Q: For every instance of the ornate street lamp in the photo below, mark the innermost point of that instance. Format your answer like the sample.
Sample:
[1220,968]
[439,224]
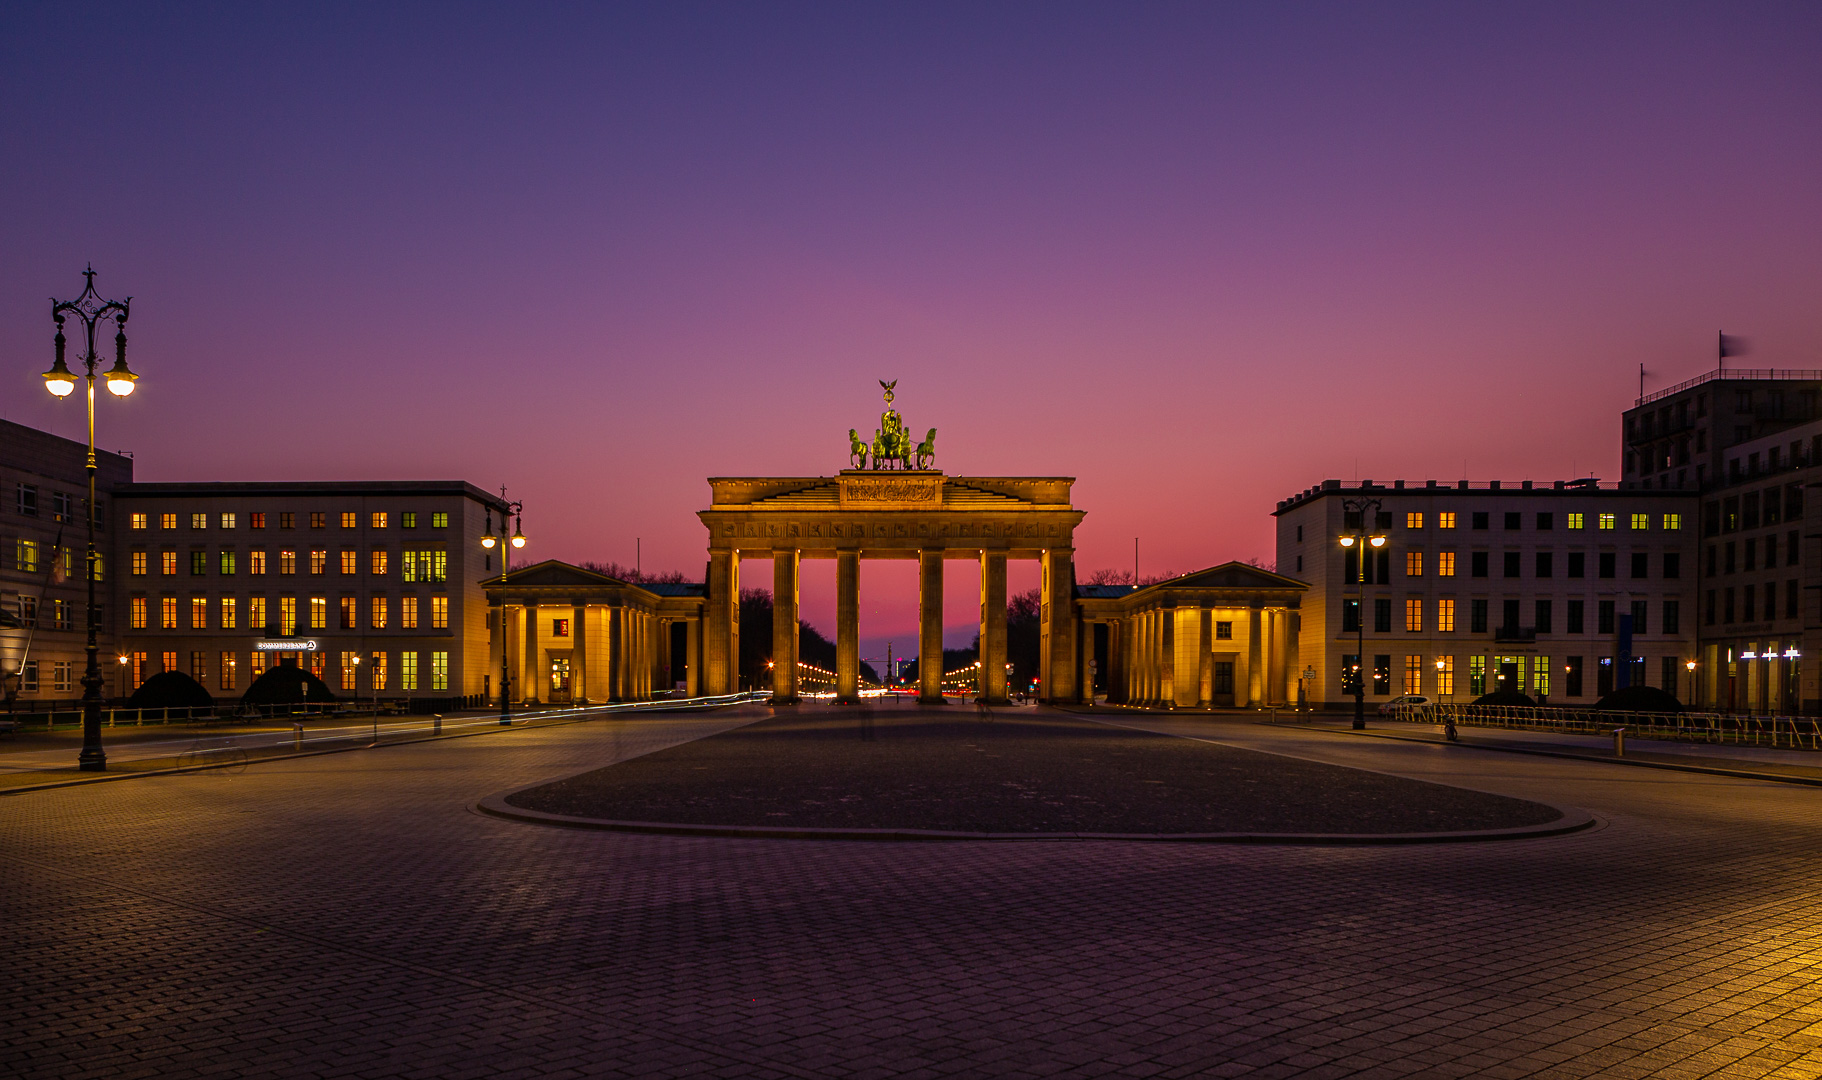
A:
[489,541]
[1365,543]
[90,309]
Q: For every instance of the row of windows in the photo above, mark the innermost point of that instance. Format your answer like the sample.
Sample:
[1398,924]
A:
[431,566]
[1766,546]
[1545,521]
[1543,565]
[378,665]
[58,614]
[229,519]
[1526,674]
[64,506]
[1543,616]
[31,557]
[1772,506]
[282,617]
[1747,605]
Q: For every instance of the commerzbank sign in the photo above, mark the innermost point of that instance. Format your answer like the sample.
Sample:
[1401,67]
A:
[287,645]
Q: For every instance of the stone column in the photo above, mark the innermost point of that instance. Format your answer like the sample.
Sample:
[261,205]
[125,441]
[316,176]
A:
[693,647]
[1116,661]
[1085,669]
[784,626]
[578,665]
[1060,679]
[1293,656]
[721,660]
[930,627]
[993,627]
[1255,667]
[1205,679]
[531,686]
[616,654]
[847,625]
[1167,650]
[1275,668]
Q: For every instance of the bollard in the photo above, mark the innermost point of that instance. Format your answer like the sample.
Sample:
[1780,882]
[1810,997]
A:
[297,734]
[436,726]
[1619,742]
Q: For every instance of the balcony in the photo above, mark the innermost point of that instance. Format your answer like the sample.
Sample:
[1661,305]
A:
[1515,635]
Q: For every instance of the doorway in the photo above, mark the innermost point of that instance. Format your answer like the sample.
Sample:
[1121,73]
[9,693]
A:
[559,677]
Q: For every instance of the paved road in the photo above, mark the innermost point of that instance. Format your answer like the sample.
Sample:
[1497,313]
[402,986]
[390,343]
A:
[348,915]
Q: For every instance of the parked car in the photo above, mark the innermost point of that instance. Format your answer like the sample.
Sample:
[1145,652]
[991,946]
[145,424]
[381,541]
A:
[1407,699]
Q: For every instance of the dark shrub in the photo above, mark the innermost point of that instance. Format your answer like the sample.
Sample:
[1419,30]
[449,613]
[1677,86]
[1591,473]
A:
[170,690]
[1505,697]
[286,685]
[1640,699]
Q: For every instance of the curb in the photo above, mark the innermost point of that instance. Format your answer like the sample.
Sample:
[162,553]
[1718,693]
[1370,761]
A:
[1740,774]
[1573,820]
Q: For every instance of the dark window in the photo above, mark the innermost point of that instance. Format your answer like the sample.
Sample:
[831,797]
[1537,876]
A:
[1771,601]
[1573,617]
[1382,566]
[1224,631]
[1730,514]
[1350,673]
[1350,520]
[1350,617]
[1479,564]
[199,563]
[28,500]
[1673,565]
[1790,599]
[1545,564]
[1727,560]
[1350,565]
[1572,678]
[1577,564]
[319,519]
[1641,564]
[1511,564]
[1480,519]
[1509,616]
[1727,605]
[1711,519]
[1603,676]
[1604,618]
[1382,674]
[1749,596]
[1383,519]
[1513,519]
[1382,615]
[1673,615]
[1773,504]
[1791,549]
[409,520]
[1542,621]
[1711,564]
[1546,522]
[287,521]
[1224,676]
[1708,607]
[1771,551]
[1477,617]
[1751,562]
[1640,623]
[1793,502]
[1749,511]
[1608,559]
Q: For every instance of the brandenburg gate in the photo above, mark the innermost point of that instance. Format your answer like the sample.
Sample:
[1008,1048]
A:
[898,509]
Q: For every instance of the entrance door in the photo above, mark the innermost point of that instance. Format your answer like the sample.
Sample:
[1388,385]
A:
[1508,675]
[1224,682]
[559,678]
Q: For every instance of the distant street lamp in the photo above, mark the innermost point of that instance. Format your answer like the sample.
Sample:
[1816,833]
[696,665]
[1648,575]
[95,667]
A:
[90,309]
[1365,543]
[488,540]
[1689,665]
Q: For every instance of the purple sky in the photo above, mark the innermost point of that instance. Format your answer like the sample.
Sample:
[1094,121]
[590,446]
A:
[1197,256]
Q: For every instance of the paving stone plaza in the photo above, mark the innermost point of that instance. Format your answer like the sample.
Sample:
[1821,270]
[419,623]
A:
[352,915]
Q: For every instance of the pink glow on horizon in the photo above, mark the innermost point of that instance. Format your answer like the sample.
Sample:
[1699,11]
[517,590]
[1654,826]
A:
[1197,258]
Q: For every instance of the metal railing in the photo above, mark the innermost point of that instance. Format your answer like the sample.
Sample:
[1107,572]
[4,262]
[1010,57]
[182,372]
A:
[1785,732]
[1792,374]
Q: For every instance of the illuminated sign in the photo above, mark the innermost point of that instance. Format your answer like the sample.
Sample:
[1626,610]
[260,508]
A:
[288,645]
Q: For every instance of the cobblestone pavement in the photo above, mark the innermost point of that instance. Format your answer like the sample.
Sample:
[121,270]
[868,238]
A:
[349,916]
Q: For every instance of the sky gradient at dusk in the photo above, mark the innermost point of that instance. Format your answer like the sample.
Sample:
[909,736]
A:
[1197,256]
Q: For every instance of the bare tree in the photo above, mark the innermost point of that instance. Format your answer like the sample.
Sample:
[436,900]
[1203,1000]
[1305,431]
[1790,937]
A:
[632,576]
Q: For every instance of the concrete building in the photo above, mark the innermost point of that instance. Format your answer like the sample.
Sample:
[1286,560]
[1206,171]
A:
[1681,436]
[222,580]
[1507,587]
[43,495]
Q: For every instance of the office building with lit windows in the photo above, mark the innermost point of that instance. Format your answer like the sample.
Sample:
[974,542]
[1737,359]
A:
[376,587]
[1481,587]
[43,543]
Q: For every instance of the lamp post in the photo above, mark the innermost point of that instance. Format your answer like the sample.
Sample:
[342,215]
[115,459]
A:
[1689,666]
[516,510]
[1364,542]
[90,309]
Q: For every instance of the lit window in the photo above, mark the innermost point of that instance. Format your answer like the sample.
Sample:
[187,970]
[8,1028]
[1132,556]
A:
[377,671]
[139,669]
[167,521]
[319,562]
[408,612]
[136,616]
[63,676]
[256,520]
[319,663]
[258,664]
[170,662]
[228,613]
[227,522]
[227,670]
[349,667]
[199,613]
[28,554]
[439,613]
[1445,564]
[439,671]
[1575,521]
[287,615]
[28,677]
[351,561]
[439,520]
[1641,521]
[408,671]
[1413,564]
[378,613]
[349,608]
[1445,616]
[256,614]
[319,613]
[1609,521]
[199,521]
[1673,522]
[1413,674]
[377,562]
[1540,677]
[559,628]
[379,519]
[167,611]
[350,520]
[408,519]
[1413,616]
[287,562]
[137,521]
[139,564]
[168,562]
[227,563]
[256,562]
[1414,520]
